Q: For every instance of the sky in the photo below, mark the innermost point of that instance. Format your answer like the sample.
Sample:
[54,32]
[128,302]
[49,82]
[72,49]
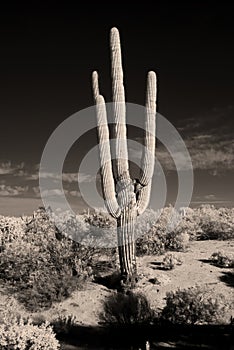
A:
[48,52]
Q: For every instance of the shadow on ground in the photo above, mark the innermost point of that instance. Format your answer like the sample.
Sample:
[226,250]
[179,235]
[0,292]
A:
[159,337]
[227,278]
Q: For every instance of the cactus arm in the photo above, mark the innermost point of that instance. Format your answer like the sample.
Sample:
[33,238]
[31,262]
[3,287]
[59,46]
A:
[120,131]
[108,184]
[95,85]
[143,198]
[147,160]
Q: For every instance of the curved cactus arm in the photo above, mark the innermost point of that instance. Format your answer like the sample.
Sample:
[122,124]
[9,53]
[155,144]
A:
[143,198]
[147,160]
[95,85]
[105,159]
[119,109]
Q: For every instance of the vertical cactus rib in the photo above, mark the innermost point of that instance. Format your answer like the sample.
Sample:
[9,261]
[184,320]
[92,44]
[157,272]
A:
[95,85]
[122,167]
[105,159]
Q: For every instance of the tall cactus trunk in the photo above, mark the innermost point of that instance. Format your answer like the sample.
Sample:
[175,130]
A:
[123,199]
[126,245]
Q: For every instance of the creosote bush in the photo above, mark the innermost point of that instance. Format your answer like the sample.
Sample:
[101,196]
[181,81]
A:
[127,309]
[194,305]
[17,333]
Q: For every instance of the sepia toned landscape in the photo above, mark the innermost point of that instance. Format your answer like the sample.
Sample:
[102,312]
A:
[116,176]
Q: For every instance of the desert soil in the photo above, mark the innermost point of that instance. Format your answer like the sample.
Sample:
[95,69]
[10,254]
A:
[86,304]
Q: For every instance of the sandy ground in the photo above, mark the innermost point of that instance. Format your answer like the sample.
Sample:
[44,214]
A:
[86,304]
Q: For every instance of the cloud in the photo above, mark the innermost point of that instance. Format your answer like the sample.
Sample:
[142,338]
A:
[210,139]
[54,192]
[9,191]
[49,193]
[205,151]
[209,197]
[212,158]
[66,177]
[9,168]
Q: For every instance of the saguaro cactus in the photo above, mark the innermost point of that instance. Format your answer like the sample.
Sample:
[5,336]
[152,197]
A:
[125,198]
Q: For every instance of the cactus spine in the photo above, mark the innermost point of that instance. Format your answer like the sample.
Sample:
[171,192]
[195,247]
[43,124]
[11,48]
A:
[125,198]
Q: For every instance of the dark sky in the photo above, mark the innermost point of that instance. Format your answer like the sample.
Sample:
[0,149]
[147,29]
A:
[49,50]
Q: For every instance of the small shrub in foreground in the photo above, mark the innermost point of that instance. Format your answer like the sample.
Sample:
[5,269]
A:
[222,259]
[194,305]
[127,309]
[170,261]
[64,324]
[16,333]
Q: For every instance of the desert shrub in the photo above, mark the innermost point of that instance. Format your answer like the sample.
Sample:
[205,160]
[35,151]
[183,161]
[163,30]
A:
[99,218]
[17,333]
[222,259]
[64,324]
[126,309]
[172,230]
[177,241]
[150,244]
[11,228]
[163,236]
[194,305]
[101,230]
[41,266]
[215,223]
[170,261]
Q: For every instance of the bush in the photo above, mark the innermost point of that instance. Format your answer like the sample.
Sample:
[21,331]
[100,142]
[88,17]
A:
[63,325]
[162,236]
[42,266]
[222,259]
[170,261]
[194,305]
[11,228]
[127,309]
[16,333]
[215,223]
[101,231]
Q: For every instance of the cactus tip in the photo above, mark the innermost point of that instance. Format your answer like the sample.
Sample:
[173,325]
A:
[114,34]
[152,74]
[114,30]
[100,99]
